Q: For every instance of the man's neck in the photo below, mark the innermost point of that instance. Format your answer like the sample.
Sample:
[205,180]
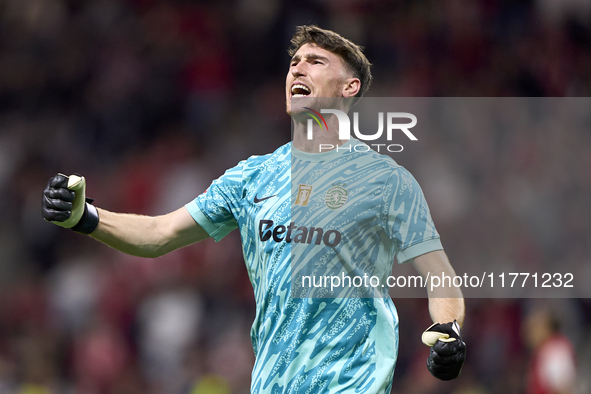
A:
[322,140]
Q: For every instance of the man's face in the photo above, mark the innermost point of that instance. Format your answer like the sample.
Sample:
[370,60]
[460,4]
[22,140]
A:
[316,72]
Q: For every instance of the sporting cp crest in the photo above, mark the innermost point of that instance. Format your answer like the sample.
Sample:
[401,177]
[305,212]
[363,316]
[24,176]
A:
[336,196]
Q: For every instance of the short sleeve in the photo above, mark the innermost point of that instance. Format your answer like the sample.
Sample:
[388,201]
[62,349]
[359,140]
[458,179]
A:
[217,209]
[406,217]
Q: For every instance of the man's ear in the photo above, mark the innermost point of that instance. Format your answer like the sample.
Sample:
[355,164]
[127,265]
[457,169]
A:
[352,86]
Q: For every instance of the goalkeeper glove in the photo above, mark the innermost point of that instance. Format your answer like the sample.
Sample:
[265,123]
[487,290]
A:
[65,204]
[448,351]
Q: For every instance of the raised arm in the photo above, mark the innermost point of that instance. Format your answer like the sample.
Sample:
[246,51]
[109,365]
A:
[64,204]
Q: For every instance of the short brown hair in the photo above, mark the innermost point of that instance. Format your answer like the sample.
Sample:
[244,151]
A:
[351,53]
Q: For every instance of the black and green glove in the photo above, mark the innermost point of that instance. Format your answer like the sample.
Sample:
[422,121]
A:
[65,204]
[448,351]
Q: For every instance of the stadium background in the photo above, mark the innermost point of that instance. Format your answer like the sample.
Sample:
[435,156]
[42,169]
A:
[151,100]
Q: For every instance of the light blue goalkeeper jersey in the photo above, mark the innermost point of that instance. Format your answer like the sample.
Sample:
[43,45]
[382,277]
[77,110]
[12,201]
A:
[305,216]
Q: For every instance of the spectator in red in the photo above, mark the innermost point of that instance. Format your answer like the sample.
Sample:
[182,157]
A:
[552,368]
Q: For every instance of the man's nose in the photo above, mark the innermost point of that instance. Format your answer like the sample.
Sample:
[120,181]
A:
[298,70]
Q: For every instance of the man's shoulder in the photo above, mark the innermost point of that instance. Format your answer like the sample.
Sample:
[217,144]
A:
[365,153]
[270,161]
[381,164]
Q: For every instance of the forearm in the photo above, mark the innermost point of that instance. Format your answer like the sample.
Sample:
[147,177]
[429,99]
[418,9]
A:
[443,310]
[132,234]
[446,302]
[148,236]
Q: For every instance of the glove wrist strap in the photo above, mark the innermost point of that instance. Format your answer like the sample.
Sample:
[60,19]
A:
[89,220]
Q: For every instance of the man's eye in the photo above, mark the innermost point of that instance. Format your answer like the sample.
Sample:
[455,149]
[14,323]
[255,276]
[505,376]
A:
[317,62]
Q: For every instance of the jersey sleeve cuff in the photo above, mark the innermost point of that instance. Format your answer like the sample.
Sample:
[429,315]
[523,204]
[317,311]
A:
[411,252]
[213,230]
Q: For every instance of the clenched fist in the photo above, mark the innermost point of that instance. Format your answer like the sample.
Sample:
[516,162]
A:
[65,204]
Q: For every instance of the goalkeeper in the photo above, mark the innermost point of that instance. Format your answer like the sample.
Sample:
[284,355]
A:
[315,345]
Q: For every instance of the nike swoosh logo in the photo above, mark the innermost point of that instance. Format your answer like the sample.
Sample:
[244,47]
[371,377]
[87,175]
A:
[257,200]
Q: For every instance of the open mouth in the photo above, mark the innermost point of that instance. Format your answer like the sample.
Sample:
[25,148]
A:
[299,90]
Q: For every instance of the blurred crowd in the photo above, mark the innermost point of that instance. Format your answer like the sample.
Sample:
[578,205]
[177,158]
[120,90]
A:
[151,99]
